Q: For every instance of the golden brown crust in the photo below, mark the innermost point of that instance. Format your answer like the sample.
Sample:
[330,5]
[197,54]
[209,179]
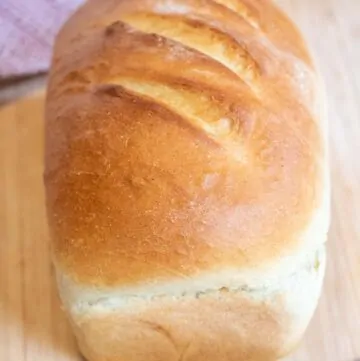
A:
[184,176]
[193,149]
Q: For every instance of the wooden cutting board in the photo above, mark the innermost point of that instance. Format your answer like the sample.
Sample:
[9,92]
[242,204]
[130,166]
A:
[32,326]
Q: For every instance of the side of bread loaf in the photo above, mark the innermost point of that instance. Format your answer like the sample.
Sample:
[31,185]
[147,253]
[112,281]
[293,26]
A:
[186,179]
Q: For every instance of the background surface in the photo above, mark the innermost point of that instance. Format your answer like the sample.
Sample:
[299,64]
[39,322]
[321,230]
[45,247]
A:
[27,31]
[32,326]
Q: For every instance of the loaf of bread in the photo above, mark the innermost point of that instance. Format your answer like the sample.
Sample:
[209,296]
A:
[186,180]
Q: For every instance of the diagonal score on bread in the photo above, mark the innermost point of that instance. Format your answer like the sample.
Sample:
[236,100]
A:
[241,9]
[201,107]
[186,170]
[202,37]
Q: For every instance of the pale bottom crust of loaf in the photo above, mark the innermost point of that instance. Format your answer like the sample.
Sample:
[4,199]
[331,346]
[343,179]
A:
[225,324]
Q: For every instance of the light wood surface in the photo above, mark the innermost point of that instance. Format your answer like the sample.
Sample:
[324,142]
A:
[32,326]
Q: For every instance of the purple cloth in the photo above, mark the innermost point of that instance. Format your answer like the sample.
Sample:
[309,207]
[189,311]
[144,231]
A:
[27,32]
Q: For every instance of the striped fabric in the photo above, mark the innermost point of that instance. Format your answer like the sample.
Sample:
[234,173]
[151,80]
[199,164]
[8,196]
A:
[27,31]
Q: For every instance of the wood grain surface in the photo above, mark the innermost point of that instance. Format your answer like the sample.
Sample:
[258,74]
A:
[32,325]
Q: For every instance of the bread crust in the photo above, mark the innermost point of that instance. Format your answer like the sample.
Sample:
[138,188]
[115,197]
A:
[184,138]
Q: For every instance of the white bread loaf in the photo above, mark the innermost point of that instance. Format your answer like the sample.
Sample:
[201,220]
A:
[186,179]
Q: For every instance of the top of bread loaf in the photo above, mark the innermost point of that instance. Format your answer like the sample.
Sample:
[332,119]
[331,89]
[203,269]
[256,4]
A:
[183,137]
